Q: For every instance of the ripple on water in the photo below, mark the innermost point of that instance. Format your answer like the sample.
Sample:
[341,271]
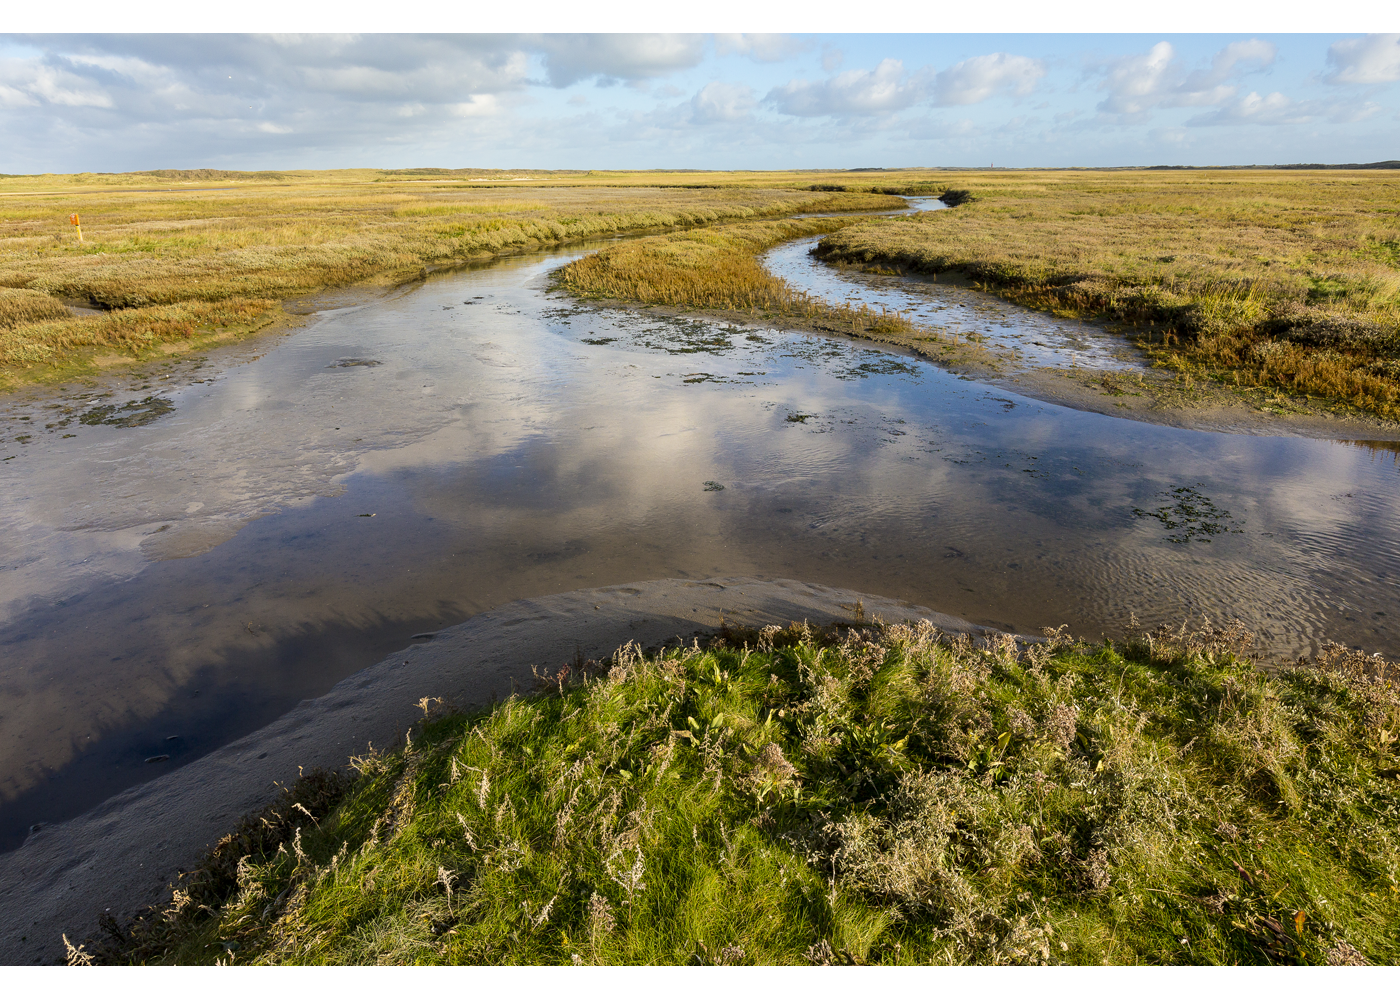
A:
[209,569]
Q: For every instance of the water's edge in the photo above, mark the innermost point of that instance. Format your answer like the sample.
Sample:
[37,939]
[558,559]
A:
[530,439]
[122,854]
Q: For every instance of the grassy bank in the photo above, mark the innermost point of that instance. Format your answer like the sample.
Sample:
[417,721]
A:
[162,249]
[877,794]
[55,347]
[718,270]
[1271,278]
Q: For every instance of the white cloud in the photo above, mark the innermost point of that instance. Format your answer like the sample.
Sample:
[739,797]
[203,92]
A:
[1139,83]
[160,98]
[34,81]
[1254,109]
[1171,136]
[717,109]
[435,77]
[136,101]
[12,98]
[761,48]
[1276,109]
[132,67]
[1370,60]
[475,106]
[571,58]
[1208,86]
[974,80]
[723,102]
[887,87]
[1253,51]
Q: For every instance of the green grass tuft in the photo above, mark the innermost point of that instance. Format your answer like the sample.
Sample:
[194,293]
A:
[857,794]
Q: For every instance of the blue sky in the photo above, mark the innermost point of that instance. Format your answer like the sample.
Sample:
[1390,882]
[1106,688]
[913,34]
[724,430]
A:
[127,102]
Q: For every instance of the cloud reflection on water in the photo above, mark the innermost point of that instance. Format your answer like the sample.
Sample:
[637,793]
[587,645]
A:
[503,457]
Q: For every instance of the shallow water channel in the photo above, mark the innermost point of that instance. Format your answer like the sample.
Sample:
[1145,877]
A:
[175,574]
[953,307]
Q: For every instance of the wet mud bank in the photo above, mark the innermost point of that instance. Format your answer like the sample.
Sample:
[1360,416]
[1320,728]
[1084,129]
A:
[1134,392]
[123,854]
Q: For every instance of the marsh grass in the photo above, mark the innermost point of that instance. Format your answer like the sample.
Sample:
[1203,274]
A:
[852,794]
[1257,278]
[20,306]
[53,343]
[718,269]
[264,237]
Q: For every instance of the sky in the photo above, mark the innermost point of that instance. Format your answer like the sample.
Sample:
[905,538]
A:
[119,102]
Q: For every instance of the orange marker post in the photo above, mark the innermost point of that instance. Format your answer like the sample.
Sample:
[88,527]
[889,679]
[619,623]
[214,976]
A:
[74,219]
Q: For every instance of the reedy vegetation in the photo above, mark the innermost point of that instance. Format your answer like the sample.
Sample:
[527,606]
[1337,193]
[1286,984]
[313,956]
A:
[160,260]
[717,269]
[1287,278]
[1281,278]
[876,793]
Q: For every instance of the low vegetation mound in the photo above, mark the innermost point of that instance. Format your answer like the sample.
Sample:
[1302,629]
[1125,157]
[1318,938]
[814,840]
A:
[1256,277]
[19,306]
[135,330]
[718,269]
[854,794]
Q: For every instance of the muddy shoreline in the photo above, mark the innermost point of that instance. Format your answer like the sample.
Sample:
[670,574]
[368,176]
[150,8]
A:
[123,854]
[1157,396]
[87,363]
[1160,398]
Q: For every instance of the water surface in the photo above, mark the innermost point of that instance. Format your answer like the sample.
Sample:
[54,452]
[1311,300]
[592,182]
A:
[309,503]
[956,309]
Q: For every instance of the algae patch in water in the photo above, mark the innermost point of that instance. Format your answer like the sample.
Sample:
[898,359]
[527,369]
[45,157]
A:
[136,413]
[1191,515]
[878,365]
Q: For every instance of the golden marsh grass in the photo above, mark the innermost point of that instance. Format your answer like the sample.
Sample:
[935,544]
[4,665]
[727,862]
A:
[186,240]
[1279,277]
[1285,278]
[717,269]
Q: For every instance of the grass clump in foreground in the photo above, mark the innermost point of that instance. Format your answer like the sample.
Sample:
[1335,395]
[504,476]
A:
[874,794]
[1256,277]
[718,269]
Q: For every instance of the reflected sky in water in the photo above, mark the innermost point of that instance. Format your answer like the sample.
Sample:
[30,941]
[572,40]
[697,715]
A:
[955,309]
[195,577]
